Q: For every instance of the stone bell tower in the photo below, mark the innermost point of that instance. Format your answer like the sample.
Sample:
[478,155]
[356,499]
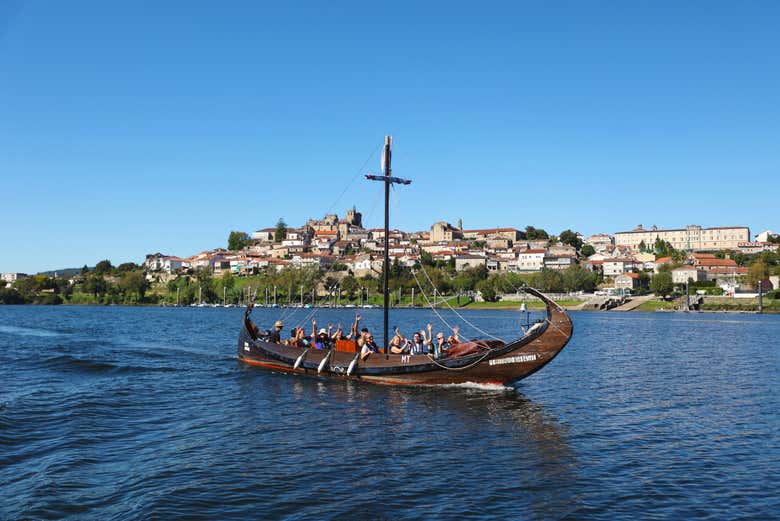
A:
[354,217]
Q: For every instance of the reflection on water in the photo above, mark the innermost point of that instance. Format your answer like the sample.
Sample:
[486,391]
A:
[504,434]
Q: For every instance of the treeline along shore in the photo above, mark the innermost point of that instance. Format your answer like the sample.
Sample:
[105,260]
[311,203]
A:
[429,283]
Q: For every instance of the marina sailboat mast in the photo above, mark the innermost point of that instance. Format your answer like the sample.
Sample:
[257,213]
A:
[386,177]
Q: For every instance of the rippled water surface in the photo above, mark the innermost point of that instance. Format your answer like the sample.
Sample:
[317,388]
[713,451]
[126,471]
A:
[144,413]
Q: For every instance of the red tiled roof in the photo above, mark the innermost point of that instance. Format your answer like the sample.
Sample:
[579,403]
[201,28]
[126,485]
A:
[717,262]
[729,271]
[491,230]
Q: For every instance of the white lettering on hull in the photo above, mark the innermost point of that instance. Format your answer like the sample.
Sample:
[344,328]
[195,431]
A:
[514,360]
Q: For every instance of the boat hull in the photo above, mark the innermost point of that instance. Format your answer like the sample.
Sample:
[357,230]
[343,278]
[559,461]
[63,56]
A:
[501,364]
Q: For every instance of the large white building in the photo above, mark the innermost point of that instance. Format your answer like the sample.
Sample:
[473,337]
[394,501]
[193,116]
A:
[692,237]
[10,278]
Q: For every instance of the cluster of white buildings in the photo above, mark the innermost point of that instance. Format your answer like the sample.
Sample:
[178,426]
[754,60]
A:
[324,242]
[6,279]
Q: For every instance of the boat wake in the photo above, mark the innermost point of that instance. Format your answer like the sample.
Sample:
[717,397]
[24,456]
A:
[493,388]
[70,363]
[28,331]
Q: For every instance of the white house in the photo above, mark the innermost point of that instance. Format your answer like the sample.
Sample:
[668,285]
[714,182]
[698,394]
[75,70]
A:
[264,235]
[531,260]
[615,267]
[683,273]
[463,262]
[559,261]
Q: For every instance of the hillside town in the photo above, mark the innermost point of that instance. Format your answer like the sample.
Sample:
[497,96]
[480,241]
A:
[619,257]
[716,259]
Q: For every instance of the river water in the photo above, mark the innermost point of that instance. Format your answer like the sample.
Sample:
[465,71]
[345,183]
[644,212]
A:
[145,413]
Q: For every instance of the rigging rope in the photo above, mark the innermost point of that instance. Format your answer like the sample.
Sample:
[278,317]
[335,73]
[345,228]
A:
[353,179]
[469,366]
[425,295]
[288,313]
[447,303]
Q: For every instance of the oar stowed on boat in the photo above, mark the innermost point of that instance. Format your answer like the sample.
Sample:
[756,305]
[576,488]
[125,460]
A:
[480,360]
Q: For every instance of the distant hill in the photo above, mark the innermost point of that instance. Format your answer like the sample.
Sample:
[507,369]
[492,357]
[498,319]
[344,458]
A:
[66,272]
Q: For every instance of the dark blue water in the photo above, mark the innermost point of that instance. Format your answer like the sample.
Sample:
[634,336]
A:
[134,413]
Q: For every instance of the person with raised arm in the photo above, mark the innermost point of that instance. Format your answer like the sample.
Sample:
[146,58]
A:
[369,346]
[421,344]
[321,339]
[399,344]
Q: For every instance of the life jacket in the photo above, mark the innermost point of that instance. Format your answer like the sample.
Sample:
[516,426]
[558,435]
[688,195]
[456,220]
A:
[419,349]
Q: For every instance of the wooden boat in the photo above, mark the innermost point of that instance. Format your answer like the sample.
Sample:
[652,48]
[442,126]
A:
[477,361]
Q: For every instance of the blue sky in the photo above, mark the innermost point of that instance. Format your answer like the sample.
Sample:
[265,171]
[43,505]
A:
[135,127]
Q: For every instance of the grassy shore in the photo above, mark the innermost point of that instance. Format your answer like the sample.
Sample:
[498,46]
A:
[717,304]
[507,304]
[656,304]
[730,304]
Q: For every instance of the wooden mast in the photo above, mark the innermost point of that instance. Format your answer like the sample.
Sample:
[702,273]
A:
[388,180]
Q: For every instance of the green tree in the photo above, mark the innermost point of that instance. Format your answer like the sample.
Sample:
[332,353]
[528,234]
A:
[577,278]
[678,255]
[570,238]
[349,285]
[587,250]
[662,283]
[96,285]
[10,296]
[85,270]
[534,234]
[548,280]
[487,290]
[206,284]
[103,267]
[127,266]
[281,230]
[426,259]
[757,271]
[227,280]
[134,283]
[238,240]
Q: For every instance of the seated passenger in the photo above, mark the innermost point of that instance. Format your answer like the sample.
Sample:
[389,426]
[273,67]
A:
[454,338]
[399,344]
[321,339]
[338,335]
[369,346]
[299,340]
[275,336]
[420,343]
[440,346]
[361,339]
[353,332]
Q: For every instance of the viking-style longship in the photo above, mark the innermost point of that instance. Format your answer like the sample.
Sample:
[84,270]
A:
[480,360]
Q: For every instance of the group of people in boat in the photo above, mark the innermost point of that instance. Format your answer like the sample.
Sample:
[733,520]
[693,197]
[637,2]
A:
[422,342]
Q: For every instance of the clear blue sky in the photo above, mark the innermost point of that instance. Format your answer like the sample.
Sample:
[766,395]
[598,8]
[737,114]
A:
[135,127]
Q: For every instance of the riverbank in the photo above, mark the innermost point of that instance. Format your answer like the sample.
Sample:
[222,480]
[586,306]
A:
[530,304]
[718,304]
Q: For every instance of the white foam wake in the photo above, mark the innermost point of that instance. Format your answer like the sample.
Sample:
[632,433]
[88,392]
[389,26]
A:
[479,387]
